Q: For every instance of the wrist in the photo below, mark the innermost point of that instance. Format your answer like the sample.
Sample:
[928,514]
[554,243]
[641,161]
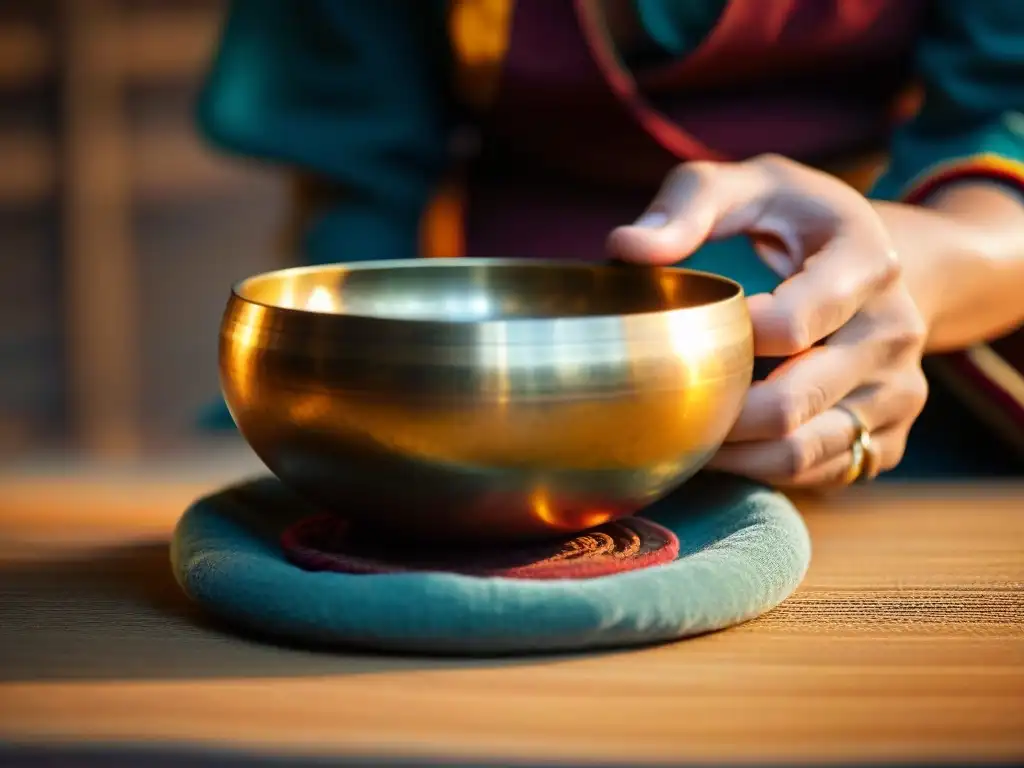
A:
[930,247]
[962,257]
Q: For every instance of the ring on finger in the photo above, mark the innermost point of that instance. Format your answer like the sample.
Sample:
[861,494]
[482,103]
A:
[856,467]
[865,461]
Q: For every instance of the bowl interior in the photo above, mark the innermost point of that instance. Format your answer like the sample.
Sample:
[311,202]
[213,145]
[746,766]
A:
[464,290]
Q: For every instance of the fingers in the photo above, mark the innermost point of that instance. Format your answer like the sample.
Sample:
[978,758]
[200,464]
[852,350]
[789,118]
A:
[841,284]
[823,438]
[818,451]
[833,285]
[813,381]
[823,237]
[799,390]
[697,202]
[892,328]
[890,445]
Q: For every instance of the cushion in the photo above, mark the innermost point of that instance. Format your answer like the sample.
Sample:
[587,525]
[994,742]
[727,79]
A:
[743,549]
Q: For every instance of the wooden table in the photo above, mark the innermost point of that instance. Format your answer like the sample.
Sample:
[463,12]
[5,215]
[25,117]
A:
[905,642]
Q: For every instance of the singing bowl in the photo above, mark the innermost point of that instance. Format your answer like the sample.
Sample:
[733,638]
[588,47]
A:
[485,399]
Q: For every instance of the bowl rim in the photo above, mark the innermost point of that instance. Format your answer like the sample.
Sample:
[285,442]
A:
[238,287]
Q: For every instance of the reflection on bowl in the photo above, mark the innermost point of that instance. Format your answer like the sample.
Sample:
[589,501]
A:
[485,398]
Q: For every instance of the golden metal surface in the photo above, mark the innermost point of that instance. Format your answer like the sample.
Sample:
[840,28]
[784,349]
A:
[485,398]
[865,460]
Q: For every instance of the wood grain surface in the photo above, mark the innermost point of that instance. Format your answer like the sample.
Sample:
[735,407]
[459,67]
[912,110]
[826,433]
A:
[905,642]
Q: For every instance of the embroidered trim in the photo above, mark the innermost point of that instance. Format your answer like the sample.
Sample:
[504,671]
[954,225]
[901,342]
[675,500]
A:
[986,166]
[329,543]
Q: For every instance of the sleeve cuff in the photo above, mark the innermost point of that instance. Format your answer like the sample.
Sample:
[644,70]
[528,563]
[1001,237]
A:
[990,167]
[923,159]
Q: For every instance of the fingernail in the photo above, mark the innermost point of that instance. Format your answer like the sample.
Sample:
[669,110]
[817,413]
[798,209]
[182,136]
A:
[652,220]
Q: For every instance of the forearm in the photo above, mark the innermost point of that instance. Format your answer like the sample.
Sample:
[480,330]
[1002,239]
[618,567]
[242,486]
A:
[963,260]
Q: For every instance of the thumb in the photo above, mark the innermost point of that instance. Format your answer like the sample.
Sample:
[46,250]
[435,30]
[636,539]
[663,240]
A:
[697,202]
[658,238]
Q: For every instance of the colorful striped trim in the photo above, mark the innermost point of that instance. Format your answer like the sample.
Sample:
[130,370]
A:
[989,382]
[985,166]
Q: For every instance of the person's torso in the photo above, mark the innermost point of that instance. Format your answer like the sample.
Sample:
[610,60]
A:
[810,79]
[574,134]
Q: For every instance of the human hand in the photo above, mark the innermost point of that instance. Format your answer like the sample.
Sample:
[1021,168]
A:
[842,286]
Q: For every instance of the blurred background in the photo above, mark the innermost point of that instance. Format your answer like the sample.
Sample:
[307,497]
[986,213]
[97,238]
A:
[120,233]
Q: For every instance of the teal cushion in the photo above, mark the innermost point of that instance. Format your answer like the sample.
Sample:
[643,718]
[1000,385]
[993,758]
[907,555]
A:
[744,549]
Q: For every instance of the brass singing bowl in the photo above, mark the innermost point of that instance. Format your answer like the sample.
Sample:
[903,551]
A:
[485,399]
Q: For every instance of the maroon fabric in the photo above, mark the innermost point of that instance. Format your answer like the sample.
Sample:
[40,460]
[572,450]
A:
[563,160]
[575,145]
[1009,411]
[809,79]
[1011,348]
[755,41]
[330,543]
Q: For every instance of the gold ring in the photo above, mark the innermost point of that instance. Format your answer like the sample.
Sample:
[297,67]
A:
[856,468]
[864,459]
[872,459]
